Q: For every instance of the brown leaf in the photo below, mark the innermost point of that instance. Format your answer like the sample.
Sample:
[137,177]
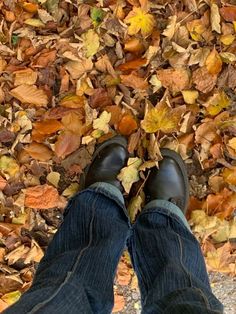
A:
[43,197]
[9,283]
[203,80]
[123,274]
[134,81]
[119,303]
[100,98]
[26,76]
[175,80]
[66,144]
[48,127]
[72,122]
[132,65]
[3,183]
[115,114]
[104,65]
[134,45]
[39,151]
[72,101]
[228,13]
[30,94]
[45,59]
[78,68]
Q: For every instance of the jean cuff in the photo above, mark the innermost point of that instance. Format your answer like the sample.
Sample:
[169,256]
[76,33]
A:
[110,188]
[169,206]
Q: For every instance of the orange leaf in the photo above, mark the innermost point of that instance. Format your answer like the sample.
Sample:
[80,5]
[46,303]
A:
[26,76]
[66,144]
[134,81]
[229,175]
[72,122]
[123,274]
[228,13]
[30,94]
[119,303]
[214,63]
[127,125]
[115,114]
[132,65]
[30,7]
[45,59]
[48,127]
[134,45]
[3,183]
[175,80]
[39,151]
[72,101]
[43,197]
[100,98]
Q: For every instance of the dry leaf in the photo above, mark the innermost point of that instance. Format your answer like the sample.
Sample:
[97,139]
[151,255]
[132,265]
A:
[134,81]
[203,80]
[174,79]
[39,151]
[132,65]
[127,125]
[72,122]
[43,197]
[190,96]
[140,20]
[217,103]
[45,59]
[26,76]
[78,68]
[119,303]
[229,175]
[102,123]
[72,101]
[91,42]
[9,166]
[215,18]
[48,127]
[229,13]
[66,144]
[171,27]
[30,94]
[162,118]
[54,177]
[129,174]
[134,45]
[214,63]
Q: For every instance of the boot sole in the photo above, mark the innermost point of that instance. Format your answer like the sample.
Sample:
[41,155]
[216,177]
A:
[165,152]
[115,140]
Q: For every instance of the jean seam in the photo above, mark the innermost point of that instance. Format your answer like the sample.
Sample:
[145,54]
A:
[69,273]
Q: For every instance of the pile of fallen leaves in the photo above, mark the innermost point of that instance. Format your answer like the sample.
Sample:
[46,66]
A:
[75,73]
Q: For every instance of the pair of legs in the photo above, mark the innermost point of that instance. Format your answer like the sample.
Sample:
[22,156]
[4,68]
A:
[77,272]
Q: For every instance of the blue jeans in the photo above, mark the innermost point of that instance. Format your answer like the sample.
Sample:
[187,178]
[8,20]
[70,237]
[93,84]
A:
[77,272]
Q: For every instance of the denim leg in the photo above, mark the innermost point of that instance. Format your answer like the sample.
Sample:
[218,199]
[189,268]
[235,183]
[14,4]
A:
[77,272]
[169,264]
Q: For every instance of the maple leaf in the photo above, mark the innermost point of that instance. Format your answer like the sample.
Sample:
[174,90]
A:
[140,20]
[162,118]
[129,174]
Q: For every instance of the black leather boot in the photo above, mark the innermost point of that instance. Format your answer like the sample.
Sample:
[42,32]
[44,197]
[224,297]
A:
[108,159]
[170,181]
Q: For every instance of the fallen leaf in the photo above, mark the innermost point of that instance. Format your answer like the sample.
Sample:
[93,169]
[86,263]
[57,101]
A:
[3,183]
[78,68]
[26,76]
[11,297]
[66,144]
[229,175]
[100,98]
[190,96]
[54,177]
[134,81]
[30,94]
[175,80]
[119,303]
[71,190]
[127,125]
[134,45]
[214,63]
[215,18]
[203,80]
[45,59]
[129,174]
[34,22]
[228,57]
[43,197]
[132,65]
[72,122]
[123,274]
[171,27]
[134,207]
[39,151]
[48,127]
[9,283]
[162,118]
[227,40]
[217,103]
[91,42]
[140,20]
[218,260]
[116,114]
[9,166]
[102,123]
[228,13]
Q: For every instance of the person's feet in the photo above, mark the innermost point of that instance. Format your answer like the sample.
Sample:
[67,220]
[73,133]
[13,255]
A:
[170,181]
[108,159]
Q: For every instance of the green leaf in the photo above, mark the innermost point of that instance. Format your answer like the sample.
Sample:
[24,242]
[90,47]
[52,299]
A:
[14,40]
[97,15]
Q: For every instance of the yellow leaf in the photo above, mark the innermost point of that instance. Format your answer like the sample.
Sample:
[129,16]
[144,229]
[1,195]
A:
[155,83]
[227,39]
[171,27]
[30,94]
[91,42]
[26,76]
[101,123]
[228,57]
[134,207]
[71,190]
[190,96]
[11,297]
[217,103]
[162,118]
[34,22]
[214,62]
[140,20]
[54,178]
[229,175]
[232,143]
[196,29]
[9,166]
[129,174]
[215,18]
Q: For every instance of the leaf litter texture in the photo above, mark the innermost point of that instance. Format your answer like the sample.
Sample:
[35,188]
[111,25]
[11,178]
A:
[160,74]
